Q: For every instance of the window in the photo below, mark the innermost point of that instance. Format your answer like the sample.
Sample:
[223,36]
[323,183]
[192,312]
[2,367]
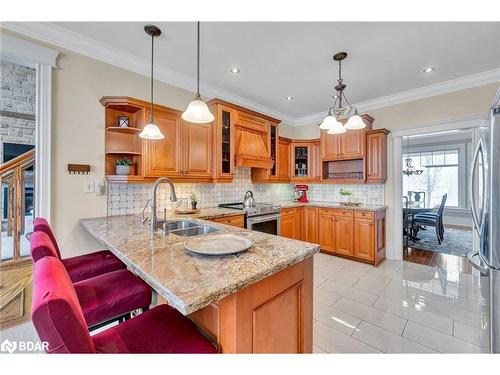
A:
[442,174]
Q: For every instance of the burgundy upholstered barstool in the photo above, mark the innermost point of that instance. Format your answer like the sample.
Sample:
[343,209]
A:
[83,266]
[103,298]
[59,321]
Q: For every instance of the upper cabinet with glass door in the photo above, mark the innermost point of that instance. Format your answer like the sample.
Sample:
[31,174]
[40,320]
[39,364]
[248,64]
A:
[223,149]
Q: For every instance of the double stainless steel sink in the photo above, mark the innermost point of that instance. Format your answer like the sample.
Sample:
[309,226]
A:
[185,228]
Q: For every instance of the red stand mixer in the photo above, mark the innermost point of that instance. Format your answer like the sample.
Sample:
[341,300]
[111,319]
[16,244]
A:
[301,193]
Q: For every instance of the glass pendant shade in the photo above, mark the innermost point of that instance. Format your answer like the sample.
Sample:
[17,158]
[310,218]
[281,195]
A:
[328,122]
[355,122]
[151,131]
[198,112]
[336,128]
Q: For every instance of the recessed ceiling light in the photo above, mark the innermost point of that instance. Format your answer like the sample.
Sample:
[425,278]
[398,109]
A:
[288,98]
[235,70]
[429,69]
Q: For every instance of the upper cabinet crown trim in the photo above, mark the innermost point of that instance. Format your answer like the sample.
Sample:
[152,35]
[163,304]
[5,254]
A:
[242,109]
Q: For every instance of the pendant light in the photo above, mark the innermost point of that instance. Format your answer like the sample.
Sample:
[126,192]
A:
[409,169]
[197,111]
[331,124]
[151,130]
[338,112]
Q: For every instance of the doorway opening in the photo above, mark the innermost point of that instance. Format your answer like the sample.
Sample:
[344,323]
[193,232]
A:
[437,222]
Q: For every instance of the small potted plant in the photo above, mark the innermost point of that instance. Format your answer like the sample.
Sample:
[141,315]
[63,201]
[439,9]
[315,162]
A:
[346,194]
[123,166]
[194,200]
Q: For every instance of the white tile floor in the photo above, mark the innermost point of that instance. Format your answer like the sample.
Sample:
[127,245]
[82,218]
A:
[399,307]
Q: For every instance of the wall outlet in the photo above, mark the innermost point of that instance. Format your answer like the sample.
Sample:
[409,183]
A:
[89,187]
[99,187]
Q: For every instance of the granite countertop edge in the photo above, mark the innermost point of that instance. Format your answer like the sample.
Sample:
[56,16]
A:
[204,300]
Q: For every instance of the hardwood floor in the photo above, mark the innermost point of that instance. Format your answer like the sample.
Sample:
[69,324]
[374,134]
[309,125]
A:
[435,259]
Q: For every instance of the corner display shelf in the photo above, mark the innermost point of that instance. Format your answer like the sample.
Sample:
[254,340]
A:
[123,142]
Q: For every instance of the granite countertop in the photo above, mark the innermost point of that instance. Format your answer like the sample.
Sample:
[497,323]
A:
[288,204]
[204,213]
[186,280]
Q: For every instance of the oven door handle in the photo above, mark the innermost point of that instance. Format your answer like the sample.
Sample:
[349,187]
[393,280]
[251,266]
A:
[263,218]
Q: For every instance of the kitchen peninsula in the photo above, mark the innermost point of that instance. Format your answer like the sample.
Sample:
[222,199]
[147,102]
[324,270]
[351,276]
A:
[258,301]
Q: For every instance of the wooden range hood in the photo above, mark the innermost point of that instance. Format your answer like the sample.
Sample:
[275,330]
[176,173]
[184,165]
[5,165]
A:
[251,150]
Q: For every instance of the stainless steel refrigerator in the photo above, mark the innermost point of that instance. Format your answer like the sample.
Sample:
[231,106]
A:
[484,192]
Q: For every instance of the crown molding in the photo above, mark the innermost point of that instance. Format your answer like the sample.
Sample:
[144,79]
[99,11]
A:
[474,80]
[24,52]
[71,41]
[55,35]
[467,122]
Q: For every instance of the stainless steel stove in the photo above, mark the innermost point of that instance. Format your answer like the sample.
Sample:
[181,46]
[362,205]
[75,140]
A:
[262,217]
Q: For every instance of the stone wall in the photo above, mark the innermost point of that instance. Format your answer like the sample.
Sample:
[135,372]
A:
[17,104]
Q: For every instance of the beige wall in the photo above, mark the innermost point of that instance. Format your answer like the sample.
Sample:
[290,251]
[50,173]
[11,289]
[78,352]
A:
[471,102]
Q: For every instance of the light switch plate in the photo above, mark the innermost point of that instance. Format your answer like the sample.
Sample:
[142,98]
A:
[88,186]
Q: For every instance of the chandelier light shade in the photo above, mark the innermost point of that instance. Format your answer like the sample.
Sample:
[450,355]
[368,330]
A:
[197,111]
[337,128]
[355,122]
[328,122]
[339,111]
[151,130]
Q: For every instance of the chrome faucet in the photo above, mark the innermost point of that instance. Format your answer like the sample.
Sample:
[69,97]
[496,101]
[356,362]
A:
[173,198]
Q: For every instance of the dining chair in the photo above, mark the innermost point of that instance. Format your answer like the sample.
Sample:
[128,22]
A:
[58,319]
[432,219]
[418,197]
[83,266]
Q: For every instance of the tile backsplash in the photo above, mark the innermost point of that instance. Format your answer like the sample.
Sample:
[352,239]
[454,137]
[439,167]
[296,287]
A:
[128,199]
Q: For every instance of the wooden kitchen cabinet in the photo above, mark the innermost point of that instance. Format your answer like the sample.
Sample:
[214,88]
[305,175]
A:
[376,156]
[364,238]
[311,224]
[305,160]
[162,158]
[284,170]
[280,155]
[326,230]
[291,222]
[235,221]
[316,161]
[369,236]
[343,236]
[345,146]
[223,142]
[358,235]
[196,150]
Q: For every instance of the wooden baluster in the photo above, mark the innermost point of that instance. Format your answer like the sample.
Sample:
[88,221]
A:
[17,213]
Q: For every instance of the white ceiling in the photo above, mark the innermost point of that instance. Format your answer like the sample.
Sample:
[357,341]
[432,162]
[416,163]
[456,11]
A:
[295,58]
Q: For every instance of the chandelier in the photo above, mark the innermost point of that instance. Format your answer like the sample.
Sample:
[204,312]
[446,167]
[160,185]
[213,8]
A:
[339,111]
[409,169]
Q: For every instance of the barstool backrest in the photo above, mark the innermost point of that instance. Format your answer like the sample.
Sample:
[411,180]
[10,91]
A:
[56,312]
[42,225]
[41,246]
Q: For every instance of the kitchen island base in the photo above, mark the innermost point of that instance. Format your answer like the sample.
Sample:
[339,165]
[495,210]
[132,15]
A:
[273,315]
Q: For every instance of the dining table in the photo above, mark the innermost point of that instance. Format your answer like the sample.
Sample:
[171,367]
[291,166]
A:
[408,214]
